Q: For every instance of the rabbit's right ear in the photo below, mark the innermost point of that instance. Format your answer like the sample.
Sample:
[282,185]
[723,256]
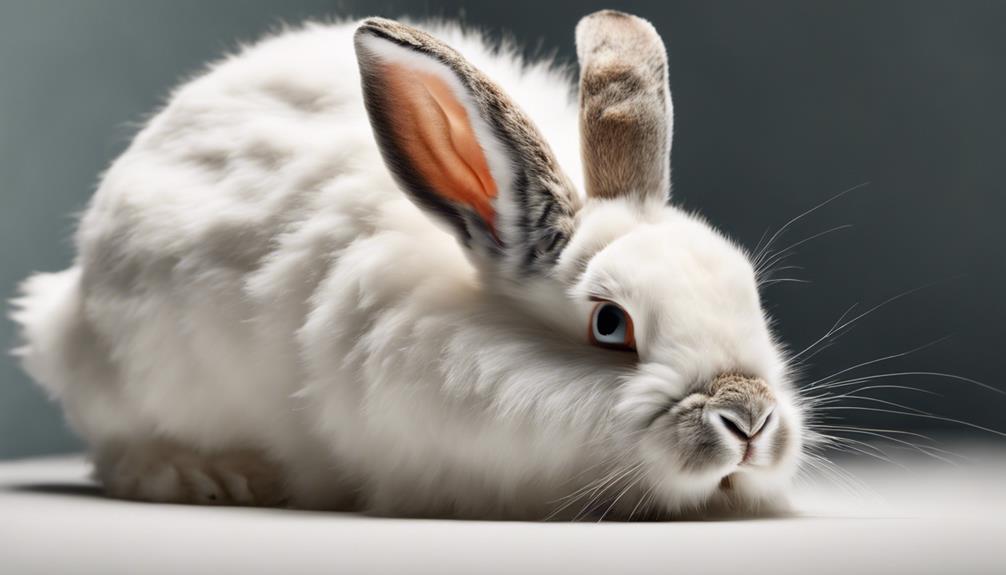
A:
[463,151]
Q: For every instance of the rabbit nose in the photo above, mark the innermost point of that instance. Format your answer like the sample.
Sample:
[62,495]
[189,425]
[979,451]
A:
[742,408]
[746,426]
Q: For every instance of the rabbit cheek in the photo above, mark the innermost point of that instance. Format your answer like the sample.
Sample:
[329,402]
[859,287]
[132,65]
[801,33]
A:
[698,448]
[685,448]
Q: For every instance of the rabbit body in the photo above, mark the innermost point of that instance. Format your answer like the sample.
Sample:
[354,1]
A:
[267,307]
[250,277]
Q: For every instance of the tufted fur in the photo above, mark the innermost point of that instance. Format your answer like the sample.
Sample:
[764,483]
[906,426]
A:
[260,313]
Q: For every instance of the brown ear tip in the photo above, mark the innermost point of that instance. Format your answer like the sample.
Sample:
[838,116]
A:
[373,26]
[608,13]
[384,29]
[612,16]
[375,22]
[595,27]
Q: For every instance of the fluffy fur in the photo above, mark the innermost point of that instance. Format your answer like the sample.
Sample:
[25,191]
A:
[259,313]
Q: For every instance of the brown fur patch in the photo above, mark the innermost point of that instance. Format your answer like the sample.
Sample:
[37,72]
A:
[740,385]
[749,397]
[625,107]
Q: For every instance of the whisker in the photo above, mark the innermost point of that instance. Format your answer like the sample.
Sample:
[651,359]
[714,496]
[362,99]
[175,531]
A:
[927,450]
[792,221]
[883,456]
[593,484]
[572,498]
[939,340]
[869,311]
[784,280]
[790,267]
[600,492]
[938,374]
[788,250]
[824,398]
[756,253]
[829,333]
[639,477]
[899,387]
[597,486]
[650,491]
[911,414]
[895,431]
[882,401]
[845,479]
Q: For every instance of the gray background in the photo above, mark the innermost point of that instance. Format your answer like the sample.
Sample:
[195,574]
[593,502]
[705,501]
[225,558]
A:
[779,106]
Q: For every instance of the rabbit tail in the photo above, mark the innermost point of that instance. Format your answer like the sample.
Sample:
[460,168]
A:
[50,315]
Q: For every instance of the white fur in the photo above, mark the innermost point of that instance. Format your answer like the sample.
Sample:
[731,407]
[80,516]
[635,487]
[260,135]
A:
[250,277]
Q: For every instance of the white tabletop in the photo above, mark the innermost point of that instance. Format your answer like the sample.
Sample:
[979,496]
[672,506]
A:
[932,517]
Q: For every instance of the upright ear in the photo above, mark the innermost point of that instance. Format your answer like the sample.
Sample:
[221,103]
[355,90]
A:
[625,107]
[463,151]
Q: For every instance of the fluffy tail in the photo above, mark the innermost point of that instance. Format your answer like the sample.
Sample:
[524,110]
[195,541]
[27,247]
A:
[49,311]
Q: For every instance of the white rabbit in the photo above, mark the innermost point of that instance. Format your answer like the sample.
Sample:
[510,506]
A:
[263,311]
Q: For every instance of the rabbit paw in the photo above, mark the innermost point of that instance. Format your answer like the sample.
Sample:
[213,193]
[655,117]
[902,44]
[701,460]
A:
[171,473]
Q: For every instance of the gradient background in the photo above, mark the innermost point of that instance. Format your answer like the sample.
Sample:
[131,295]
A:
[779,106]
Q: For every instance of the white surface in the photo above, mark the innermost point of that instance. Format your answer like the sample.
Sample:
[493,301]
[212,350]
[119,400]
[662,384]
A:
[929,518]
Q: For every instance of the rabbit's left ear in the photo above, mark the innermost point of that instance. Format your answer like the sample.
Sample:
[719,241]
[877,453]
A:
[463,151]
[625,107]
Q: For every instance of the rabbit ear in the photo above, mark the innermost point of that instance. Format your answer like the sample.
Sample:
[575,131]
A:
[625,107]
[462,150]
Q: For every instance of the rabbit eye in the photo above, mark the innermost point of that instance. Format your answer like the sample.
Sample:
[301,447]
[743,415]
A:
[611,326]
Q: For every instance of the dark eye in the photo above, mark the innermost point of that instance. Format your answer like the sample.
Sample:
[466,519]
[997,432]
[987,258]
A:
[611,327]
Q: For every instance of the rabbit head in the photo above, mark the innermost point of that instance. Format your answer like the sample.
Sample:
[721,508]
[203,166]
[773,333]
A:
[705,412]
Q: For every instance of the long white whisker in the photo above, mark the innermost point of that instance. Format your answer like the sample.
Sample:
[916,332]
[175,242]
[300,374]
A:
[827,334]
[927,450]
[811,385]
[869,311]
[784,280]
[883,456]
[847,480]
[642,499]
[793,220]
[951,376]
[825,398]
[639,476]
[787,251]
[882,401]
[604,487]
[911,414]
[895,431]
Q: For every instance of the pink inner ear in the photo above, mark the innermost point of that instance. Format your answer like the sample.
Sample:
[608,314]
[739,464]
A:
[437,136]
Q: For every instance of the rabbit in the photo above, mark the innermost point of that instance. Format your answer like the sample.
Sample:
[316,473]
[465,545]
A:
[355,268]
